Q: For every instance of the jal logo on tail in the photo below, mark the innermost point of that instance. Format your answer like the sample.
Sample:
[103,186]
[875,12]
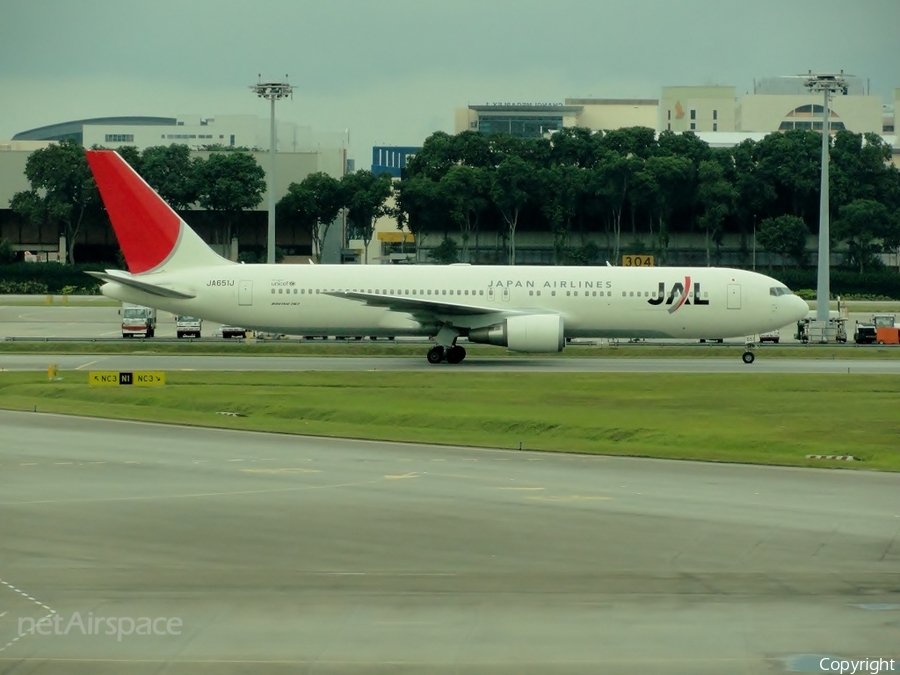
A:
[683,291]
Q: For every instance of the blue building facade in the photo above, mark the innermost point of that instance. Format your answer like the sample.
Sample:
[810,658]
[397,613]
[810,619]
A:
[391,159]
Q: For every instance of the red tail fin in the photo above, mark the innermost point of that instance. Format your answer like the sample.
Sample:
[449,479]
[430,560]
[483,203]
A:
[146,227]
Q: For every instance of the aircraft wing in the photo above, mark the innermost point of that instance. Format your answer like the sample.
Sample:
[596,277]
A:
[427,310]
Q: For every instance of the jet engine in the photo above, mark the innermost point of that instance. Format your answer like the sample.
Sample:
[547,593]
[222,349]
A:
[527,333]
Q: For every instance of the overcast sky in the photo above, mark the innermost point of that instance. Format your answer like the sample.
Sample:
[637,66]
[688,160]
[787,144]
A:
[393,71]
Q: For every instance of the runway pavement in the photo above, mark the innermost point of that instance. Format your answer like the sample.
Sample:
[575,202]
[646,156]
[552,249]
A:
[284,554]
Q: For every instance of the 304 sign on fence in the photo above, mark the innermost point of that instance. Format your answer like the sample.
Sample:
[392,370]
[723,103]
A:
[638,261]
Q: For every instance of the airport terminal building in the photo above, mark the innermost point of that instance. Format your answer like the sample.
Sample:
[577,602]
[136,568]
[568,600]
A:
[775,104]
[300,153]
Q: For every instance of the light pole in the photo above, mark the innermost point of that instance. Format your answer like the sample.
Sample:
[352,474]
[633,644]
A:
[273,91]
[827,84]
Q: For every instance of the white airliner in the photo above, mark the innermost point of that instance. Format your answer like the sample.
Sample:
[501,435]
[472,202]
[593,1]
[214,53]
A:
[524,308]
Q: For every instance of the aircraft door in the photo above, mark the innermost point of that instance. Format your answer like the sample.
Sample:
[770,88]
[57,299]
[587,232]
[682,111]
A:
[734,296]
[506,294]
[245,292]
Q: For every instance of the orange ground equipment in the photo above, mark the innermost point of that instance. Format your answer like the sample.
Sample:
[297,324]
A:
[886,332]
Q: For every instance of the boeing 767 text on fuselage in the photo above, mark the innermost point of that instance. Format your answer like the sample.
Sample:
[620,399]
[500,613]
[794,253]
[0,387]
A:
[524,308]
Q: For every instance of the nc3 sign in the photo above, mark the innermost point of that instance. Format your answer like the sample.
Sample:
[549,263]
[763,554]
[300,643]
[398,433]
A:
[138,378]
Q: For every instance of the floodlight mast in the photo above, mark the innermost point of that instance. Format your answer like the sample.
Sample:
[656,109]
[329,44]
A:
[828,84]
[272,91]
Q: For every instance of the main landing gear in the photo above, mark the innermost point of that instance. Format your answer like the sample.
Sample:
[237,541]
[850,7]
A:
[453,354]
[446,348]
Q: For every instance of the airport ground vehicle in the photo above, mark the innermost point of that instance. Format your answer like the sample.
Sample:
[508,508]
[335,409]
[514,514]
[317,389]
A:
[773,336]
[233,331]
[804,332]
[886,330]
[188,326]
[808,331]
[864,334]
[138,320]
[881,329]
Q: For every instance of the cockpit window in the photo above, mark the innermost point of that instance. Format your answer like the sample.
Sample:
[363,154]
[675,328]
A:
[780,290]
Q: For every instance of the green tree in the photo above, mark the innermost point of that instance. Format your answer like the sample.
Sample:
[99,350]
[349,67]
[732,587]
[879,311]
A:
[229,183]
[63,193]
[868,228]
[505,145]
[445,253]
[172,173]
[608,183]
[421,207]
[756,196]
[313,205]
[221,147]
[674,180]
[786,236]
[437,155]
[577,181]
[857,167]
[471,148]
[561,202]
[645,199]
[716,196]
[575,146]
[511,190]
[686,144]
[365,198]
[630,142]
[466,189]
[790,162]
[7,254]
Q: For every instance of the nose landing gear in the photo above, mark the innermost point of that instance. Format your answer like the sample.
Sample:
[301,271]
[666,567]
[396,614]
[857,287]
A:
[748,356]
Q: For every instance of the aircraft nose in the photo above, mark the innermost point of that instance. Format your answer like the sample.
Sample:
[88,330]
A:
[797,307]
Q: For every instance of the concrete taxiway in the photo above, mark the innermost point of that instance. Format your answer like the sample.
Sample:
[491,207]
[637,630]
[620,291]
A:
[283,554]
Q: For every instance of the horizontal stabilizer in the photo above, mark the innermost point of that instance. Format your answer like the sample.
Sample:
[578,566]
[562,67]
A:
[117,277]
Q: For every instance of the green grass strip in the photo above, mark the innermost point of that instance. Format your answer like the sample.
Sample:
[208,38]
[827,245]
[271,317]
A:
[748,417]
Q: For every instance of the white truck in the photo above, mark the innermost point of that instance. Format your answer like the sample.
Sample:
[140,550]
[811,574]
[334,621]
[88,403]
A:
[138,321]
[233,331]
[188,326]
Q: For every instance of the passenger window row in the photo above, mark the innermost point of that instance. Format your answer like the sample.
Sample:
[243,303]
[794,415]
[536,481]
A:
[631,294]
